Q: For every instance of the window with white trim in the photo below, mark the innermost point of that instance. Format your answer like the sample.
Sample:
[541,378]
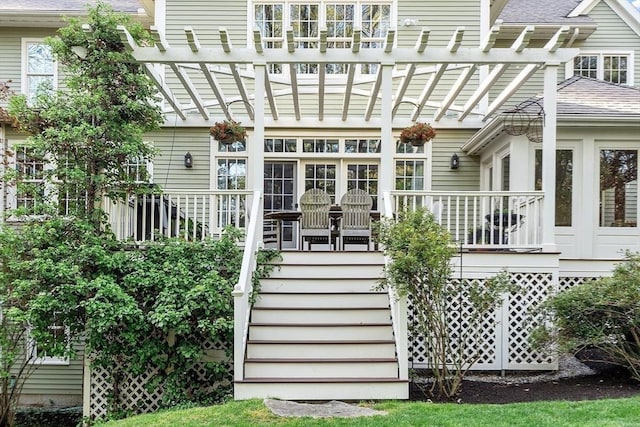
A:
[38,68]
[610,67]
[59,336]
[339,17]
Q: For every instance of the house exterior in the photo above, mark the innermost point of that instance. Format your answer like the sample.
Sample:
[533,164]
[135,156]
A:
[324,89]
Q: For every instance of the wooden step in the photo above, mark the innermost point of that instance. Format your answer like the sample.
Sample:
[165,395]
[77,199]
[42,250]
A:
[318,285]
[322,300]
[321,331]
[322,389]
[320,315]
[319,349]
[320,369]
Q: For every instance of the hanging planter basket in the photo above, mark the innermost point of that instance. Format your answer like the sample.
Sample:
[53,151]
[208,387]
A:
[228,131]
[534,132]
[417,134]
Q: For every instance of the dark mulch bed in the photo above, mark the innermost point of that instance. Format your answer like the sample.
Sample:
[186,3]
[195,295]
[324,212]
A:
[608,383]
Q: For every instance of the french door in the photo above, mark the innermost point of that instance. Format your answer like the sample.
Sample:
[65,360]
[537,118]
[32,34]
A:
[280,195]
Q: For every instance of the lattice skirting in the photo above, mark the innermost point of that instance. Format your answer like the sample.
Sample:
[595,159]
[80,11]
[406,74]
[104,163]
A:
[503,338]
[133,396]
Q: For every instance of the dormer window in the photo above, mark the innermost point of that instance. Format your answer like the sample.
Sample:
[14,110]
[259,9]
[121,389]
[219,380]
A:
[306,19]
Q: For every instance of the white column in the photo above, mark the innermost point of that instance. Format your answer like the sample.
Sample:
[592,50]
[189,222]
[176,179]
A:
[549,157]
[386,131]
[256,145]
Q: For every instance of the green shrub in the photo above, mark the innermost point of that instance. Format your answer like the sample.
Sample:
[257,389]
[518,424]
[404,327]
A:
[602,314]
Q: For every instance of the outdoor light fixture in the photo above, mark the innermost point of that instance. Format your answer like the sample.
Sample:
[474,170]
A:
[188,160]
[455,161]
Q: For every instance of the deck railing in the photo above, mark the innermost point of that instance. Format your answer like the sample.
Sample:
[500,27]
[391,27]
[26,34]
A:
[398,305]
[189,214]
[482,219]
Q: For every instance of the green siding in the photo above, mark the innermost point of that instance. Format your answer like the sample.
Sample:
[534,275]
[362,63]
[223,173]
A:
[465,178]
[168,167]
[613,34]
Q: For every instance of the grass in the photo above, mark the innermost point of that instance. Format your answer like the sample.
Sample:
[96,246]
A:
[596,413]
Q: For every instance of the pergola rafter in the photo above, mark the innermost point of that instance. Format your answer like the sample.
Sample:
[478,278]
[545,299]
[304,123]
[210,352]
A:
[451,72]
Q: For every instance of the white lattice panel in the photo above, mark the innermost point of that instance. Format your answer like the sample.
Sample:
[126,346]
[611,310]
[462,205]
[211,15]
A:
[503,339]
[569,282]
[534,289]
[133,395]
[482,340]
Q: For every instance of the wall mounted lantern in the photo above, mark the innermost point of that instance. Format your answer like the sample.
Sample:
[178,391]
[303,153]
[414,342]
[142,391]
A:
[188,160]
[455,161]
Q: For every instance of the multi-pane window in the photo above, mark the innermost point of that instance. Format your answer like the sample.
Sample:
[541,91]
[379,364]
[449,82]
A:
[607,67]
[30,168]
[39,69]
[280,145]
[362,145]
[232,174]
[564,184]
[340,18]
[410,175]
[320,145]
[364,177]
[618,188]
[322,176]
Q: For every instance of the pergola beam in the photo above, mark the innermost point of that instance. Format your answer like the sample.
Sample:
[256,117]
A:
[191,90]
[421,45]
[552,45]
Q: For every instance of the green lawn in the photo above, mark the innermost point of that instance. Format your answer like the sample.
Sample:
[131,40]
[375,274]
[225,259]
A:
[599,413]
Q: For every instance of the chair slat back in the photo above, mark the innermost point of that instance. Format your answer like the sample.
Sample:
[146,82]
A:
[356,210]
[315,205]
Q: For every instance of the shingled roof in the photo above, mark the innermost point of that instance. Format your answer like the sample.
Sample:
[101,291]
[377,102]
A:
[584,96]
[64,5]
[541,12]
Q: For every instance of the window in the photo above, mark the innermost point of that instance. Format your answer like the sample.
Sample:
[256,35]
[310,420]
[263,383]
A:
[364,177]
[232,174]
[320,145]
[306,19]
[618,188]
[410,175]
[613,68]
[564,185]
[38,68]
[30,169]
[58,338]
[322,176]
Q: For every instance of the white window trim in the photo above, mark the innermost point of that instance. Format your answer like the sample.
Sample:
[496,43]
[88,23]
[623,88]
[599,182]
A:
[32,350]
[321,24]
[600,70]
[24,87]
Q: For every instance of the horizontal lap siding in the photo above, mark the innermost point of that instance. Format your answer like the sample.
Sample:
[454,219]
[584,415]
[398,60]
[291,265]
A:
[168,166]
[56,380]
[613,34]
[465,178]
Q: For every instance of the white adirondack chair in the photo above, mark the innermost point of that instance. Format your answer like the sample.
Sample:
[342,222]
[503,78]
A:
[315,224]
[355,225]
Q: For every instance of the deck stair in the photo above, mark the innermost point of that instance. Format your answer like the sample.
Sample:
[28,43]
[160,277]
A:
[318,331]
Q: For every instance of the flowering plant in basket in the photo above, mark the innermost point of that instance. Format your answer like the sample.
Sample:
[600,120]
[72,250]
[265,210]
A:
[417,134]
[228,131]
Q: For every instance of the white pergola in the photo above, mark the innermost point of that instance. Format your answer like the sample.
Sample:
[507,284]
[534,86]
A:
[476,69]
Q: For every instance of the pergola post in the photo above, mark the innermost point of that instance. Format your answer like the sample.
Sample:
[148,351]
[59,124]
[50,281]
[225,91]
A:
[256,147]
[388,146]
[549,157]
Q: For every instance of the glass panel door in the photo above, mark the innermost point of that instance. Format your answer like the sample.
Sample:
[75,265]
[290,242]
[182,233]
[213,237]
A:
[280,195]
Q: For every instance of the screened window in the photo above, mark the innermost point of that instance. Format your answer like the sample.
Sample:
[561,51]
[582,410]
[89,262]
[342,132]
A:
[564,185]
[607,67]
[618,188]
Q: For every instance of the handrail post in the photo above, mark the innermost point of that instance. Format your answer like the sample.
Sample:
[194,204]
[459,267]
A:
[243,289]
